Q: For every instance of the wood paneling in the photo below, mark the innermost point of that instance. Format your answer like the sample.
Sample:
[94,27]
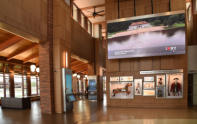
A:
[134,65]
[16,47]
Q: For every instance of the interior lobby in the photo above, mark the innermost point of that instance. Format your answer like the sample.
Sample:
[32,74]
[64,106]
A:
[98,61]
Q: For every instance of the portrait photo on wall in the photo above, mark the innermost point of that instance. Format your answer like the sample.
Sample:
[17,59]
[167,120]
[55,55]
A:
[149,85]
[138,86]
[174,85]
[121,90]
[160,86]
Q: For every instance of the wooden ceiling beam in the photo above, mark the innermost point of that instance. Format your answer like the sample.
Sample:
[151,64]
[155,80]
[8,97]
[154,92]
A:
[91,7]
[102,22]
[13,40]
[76,63]
[22,51]
[80,66]
[35,55]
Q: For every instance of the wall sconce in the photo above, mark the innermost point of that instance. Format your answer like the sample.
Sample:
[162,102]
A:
[78,76]
[74,75]
[37,69]
[33,68]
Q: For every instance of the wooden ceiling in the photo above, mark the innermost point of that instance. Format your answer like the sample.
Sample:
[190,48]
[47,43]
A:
[87,7]
[78,66]
[14,47]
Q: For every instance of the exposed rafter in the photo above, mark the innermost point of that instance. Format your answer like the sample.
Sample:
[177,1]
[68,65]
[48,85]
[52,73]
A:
[102,22]
[91,7]
[76,63]
[35,55]
[21,51]
[6,44]
[79,67]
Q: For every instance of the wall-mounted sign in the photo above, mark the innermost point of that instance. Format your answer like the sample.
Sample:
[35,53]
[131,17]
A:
[149,78]
[121,90]
[174,84]
[149,93]
[126,78]
[138,86]
[160,86]
[116,78]
[162,71]
[149,85]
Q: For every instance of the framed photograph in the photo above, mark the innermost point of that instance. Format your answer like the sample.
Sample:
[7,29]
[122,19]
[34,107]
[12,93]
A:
[149,78]
[174,85]
[126,78]
[114,78]
[160,86]
[149,85]
[160,92]
[149,93]
[195,6]
[138,86]
[121,90]
[160,80]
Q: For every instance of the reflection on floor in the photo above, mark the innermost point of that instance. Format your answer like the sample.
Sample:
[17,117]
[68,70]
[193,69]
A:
[92,112]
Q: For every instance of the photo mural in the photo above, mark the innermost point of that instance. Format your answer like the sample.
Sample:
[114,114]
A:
[151,35]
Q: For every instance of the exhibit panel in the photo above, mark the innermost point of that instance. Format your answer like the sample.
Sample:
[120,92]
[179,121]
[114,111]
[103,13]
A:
[68,95]
[92,87]
[174,85]
[138,86]
[160,86]
[150,35]
[156,86]
[125,58]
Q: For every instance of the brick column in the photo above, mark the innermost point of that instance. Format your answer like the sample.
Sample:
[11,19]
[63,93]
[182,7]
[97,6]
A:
[46,65]
[11,70]
[28,79]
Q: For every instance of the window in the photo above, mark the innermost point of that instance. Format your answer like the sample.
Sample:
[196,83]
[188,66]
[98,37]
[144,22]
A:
[89,27]
[25,85]
[82,21]
[33,85]
[18,87]
[1,86]
[75,13]
[38,84]
[7,85]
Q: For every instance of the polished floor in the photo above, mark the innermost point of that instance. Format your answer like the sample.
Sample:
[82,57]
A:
[91,112]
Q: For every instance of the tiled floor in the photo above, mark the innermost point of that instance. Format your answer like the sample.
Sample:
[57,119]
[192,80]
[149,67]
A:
[91,112]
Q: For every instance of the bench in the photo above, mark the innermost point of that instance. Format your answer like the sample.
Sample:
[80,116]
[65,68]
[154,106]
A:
[16,103]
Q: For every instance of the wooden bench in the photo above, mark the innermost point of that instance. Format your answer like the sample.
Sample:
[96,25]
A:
[16,103]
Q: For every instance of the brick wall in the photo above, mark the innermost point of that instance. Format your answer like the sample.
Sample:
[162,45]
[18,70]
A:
[134,66]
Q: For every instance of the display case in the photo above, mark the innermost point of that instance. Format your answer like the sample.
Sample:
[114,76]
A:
[92,87]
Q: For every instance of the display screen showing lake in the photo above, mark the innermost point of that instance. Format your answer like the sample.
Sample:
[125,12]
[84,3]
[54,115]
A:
[152,35]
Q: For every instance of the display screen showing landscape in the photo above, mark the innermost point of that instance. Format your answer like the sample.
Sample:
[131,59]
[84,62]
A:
[152,35]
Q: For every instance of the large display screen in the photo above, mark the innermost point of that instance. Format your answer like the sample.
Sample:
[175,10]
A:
[149,35]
